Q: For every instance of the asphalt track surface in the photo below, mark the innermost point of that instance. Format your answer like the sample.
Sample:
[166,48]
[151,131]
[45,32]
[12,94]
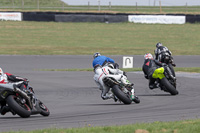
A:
[74,100]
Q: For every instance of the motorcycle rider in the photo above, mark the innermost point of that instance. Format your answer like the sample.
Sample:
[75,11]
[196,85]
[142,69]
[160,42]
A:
[151,69]
[109,71]
[102,60]
[7,78]
[160,49]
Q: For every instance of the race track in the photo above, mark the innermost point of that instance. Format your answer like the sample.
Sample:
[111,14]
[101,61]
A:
[74,100]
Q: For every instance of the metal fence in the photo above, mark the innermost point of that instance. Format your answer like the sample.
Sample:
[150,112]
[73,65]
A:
[40,5]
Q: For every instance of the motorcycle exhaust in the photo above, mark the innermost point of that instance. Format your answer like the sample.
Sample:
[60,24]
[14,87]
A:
[24,95]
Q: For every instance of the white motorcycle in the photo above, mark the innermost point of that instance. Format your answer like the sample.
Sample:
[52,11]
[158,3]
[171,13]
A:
[121,92]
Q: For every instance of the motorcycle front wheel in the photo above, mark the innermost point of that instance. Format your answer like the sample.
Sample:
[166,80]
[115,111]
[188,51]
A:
[44,109]
[136,100]
[121,95]
[23,110]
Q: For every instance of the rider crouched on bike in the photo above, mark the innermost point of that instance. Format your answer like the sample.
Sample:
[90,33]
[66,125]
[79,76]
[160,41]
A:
[160,51]
[9,78]
[110,71]
[151,69]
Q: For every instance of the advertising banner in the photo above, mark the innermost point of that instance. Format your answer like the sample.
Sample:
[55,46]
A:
[10,16]
[159,19]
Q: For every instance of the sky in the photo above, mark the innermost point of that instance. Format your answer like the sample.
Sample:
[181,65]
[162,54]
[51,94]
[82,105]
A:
[133,2]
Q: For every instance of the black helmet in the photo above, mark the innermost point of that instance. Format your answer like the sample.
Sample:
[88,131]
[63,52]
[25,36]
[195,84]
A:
[158,45]
[96,55]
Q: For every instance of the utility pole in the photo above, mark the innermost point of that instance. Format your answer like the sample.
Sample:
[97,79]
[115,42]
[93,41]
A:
[22,4]
[160,7]
[38,4]
[13,4]
[110,5]
[88,5]
[99,5]
[186,7]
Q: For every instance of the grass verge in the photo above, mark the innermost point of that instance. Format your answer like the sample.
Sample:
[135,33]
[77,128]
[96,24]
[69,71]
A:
[186,126]
[50,38]
[177,69]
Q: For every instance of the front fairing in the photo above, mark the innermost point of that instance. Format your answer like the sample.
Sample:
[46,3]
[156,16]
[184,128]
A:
[5,92]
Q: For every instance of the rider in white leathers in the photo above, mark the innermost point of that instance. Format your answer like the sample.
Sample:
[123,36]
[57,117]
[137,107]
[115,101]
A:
[108,70]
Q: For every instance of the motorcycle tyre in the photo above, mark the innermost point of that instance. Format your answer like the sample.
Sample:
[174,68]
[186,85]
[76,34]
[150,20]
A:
[170,88]
[120,95]
[22,112]
[136,100]
[44,109]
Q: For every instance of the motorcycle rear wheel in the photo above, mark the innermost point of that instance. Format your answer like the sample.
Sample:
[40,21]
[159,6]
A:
[23,110]
[120,95]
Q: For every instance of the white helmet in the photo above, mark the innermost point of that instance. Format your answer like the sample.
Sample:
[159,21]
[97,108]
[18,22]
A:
[1,72]
[148,56]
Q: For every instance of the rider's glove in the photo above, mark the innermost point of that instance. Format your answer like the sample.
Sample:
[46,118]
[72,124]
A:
[164,64]
[116,66]
[124,73]
[25,82]
[173,64]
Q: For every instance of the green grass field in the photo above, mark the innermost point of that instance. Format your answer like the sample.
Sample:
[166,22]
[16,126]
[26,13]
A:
[187,126]
[51,38]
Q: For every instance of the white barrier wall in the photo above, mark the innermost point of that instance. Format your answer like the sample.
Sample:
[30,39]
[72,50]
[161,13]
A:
[11,16]
[160,19]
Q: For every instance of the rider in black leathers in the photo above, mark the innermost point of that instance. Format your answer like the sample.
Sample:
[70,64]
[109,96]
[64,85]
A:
[160,50]
[149,66]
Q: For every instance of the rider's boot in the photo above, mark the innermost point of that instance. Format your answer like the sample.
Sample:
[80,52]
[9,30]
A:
[153,84]
[107,96]
[115,98]
[6,109]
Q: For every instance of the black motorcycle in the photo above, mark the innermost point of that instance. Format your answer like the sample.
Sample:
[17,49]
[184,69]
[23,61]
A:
[22,102]
[167,81]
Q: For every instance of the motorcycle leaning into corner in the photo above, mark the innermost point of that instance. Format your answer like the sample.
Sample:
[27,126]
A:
[105,78]
[22,102]
[165,79]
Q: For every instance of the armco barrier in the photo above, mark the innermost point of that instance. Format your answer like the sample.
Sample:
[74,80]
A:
[193,18]
[35,16]
[90,17]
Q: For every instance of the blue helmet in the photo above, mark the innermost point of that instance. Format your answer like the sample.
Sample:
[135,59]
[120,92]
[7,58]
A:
[96,55]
